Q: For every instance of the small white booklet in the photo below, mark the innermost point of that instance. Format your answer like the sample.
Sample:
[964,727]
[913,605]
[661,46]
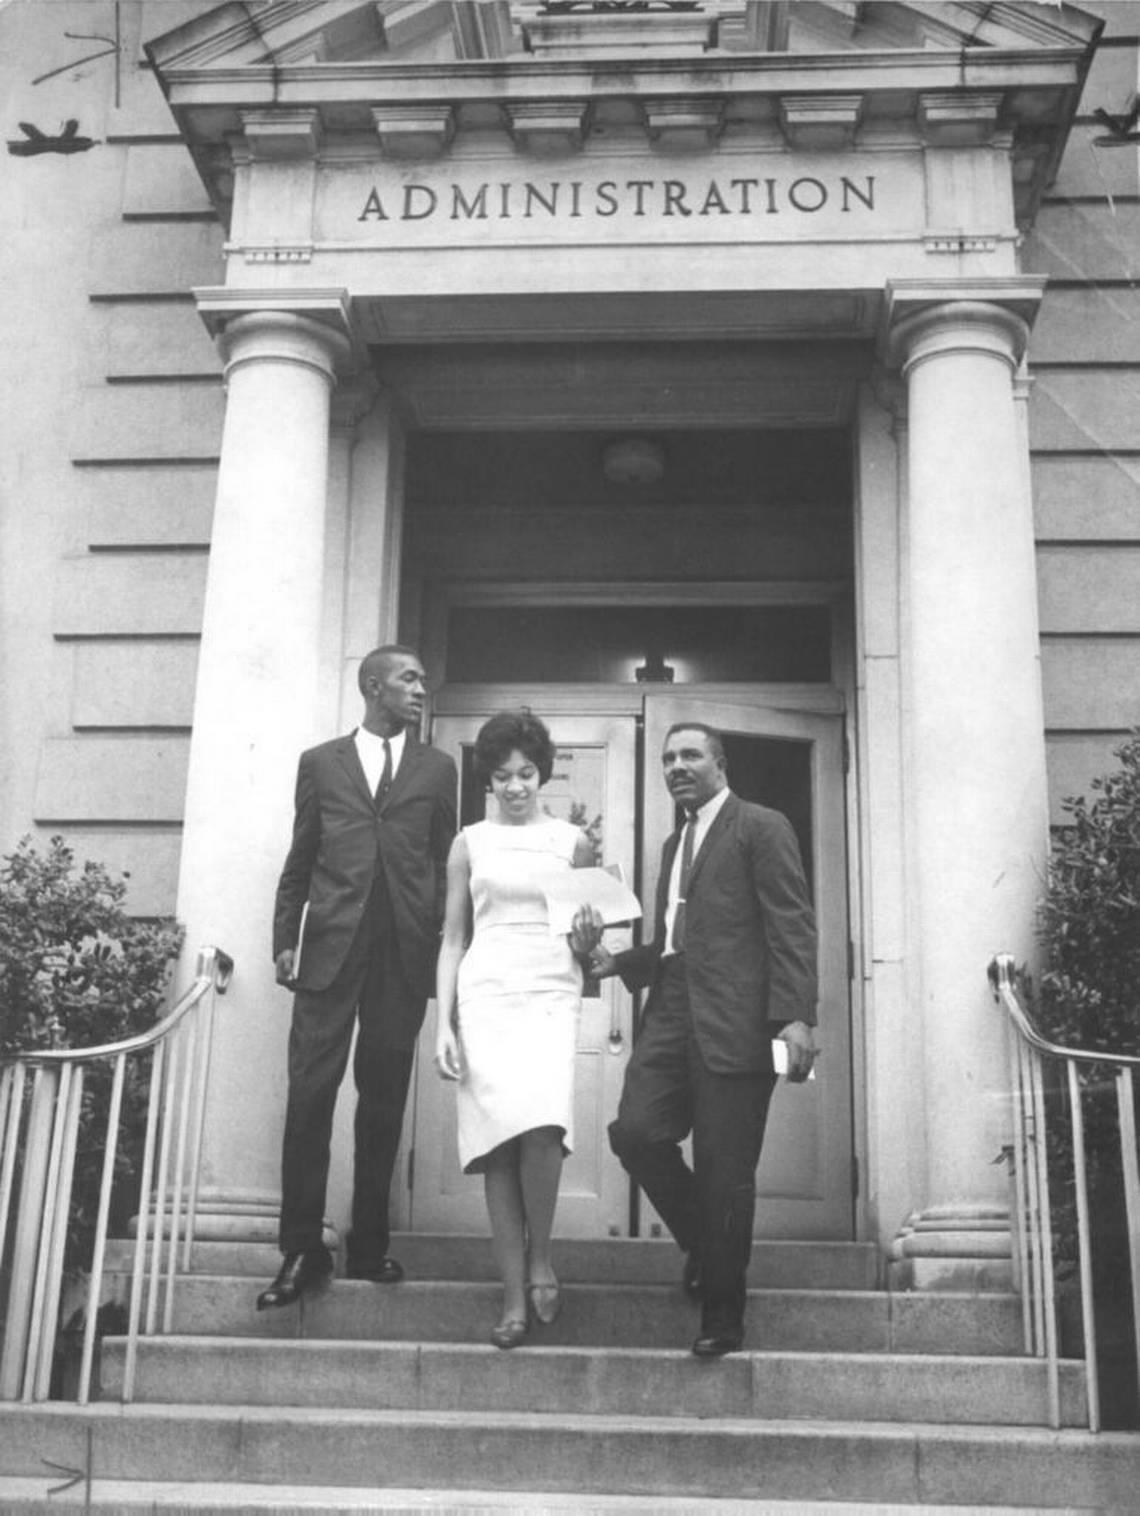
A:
[610,896]
[780,1058]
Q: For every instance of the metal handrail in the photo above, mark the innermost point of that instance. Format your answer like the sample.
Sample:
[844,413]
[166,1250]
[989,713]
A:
[38,1134]
[1028,1051]
[219,979]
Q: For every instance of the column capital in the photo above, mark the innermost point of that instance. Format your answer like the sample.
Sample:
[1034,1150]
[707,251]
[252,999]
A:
[924,316]
[352,401]
[302,326]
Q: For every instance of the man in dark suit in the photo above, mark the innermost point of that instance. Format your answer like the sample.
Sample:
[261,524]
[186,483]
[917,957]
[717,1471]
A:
[732,965]
[355,934]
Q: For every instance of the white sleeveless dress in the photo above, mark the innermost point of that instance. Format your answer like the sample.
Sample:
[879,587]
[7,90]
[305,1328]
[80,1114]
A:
[519,991]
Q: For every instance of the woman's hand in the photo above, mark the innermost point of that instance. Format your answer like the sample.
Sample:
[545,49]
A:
[585,931]
[448,1054]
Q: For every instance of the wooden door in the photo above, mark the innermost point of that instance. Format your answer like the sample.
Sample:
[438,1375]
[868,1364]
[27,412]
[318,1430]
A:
[593,785]
[791,760]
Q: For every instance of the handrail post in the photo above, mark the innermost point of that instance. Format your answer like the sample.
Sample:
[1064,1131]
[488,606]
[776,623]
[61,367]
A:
[29,1217]
[1084,1247]
[95,1282]
[11,1114]
[1131,1168]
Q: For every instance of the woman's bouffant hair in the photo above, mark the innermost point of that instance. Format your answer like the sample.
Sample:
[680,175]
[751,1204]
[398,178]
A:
[510,732]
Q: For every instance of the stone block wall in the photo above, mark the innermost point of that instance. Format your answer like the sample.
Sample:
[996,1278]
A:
[1085,425]
[112,435]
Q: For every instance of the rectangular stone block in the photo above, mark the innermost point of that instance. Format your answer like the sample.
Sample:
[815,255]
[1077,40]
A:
[1089,588]
[1073,761]
[120,422]
[1111,80]
[112,779]
[147,855]
[1091,409]
[1121,17]
[1086,498]
[1091,682]
[166,339]
[1085,242]
[1090,325]
[161,180]
[130,594]
[134,684]
[155,259]
[162,505]
[1093,168]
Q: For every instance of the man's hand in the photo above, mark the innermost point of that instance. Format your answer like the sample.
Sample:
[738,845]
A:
[284,961]
[602,964]
[801,1050]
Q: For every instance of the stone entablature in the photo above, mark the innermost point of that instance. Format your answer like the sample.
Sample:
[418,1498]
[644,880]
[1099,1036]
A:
[1021,100]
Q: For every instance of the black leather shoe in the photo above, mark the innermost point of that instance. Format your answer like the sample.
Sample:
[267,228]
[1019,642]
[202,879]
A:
[717,1344]
[299,1274]
[691,1277]
[386,1271]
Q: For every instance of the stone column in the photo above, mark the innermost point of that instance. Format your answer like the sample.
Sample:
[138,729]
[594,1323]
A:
[974,756]
[256,708]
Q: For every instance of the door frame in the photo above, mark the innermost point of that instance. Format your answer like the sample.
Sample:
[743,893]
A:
[838,697]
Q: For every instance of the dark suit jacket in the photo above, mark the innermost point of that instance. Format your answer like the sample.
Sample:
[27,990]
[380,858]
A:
[338,836]
[750,943]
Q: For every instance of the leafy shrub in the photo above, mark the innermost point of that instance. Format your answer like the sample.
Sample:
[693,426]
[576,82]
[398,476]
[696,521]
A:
[77,971]
[1089,990]
[1090,917]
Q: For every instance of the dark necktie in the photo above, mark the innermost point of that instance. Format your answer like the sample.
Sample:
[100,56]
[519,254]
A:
[683,883]
[386,774]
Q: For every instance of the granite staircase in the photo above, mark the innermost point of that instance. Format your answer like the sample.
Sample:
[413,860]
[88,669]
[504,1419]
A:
[845,1393]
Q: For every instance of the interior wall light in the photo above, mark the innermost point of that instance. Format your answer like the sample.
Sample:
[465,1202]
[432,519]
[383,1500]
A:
[654,670]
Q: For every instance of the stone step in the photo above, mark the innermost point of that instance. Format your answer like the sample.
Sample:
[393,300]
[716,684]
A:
[117,1497]
[719,1457]
[775,1265]
[658,1316]
[594,1381]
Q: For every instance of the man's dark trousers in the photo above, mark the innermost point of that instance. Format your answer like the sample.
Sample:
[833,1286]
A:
[371,984]
[668,1091]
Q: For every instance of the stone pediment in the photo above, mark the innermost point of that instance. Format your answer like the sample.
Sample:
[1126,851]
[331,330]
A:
[432,32]
[415,81]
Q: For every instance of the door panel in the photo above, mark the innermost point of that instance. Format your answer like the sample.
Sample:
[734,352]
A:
[792,761]
[592,786]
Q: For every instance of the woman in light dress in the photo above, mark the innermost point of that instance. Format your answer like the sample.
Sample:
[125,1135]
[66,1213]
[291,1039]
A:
[509,996]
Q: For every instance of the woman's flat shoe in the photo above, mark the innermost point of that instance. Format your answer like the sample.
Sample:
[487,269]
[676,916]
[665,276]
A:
[545,1302]
[508,1334]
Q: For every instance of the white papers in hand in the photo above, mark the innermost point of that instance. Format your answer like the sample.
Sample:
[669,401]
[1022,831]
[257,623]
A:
[611,898]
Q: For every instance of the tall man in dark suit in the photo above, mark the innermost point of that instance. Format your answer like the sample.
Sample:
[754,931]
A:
[355,933]
[732,964]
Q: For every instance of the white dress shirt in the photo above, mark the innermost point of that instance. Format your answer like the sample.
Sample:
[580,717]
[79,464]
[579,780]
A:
[370,747]
[706,815]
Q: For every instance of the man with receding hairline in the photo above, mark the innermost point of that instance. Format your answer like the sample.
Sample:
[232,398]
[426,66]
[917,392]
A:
[732,965]
[355,934]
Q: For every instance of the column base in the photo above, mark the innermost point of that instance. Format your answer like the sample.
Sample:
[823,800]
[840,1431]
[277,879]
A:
[237,1230]
[953,1247]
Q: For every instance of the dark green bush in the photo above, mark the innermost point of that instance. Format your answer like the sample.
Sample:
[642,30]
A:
[77,971]
[1089,993]
[1089,997]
